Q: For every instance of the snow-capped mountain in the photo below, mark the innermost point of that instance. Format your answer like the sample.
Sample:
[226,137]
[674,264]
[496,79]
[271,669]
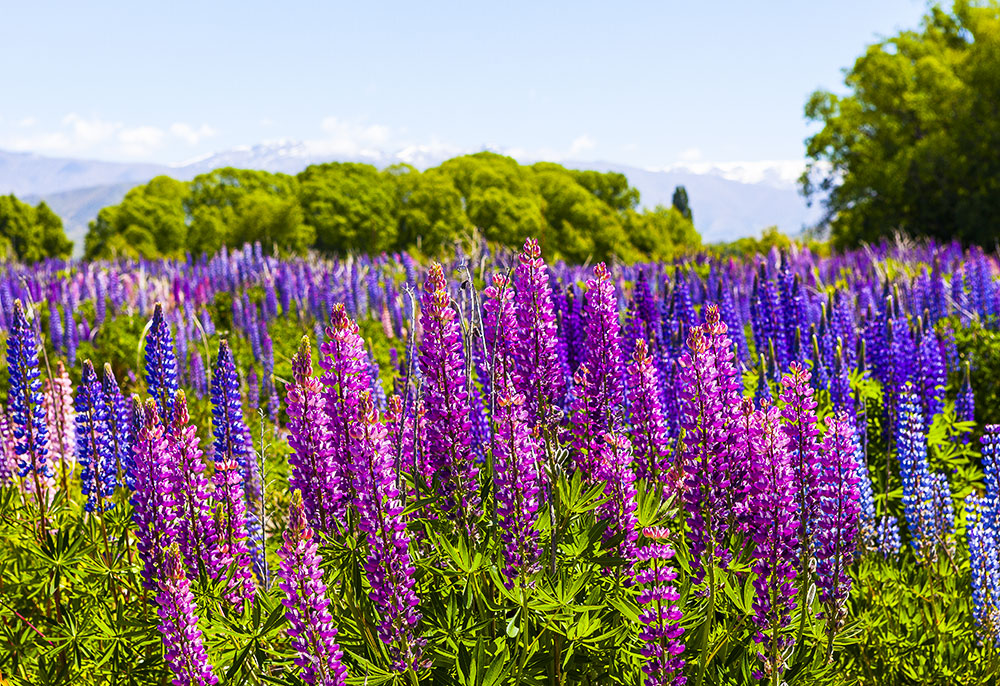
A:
[729,200]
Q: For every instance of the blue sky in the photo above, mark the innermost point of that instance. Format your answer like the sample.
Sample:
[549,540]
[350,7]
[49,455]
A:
[643,83]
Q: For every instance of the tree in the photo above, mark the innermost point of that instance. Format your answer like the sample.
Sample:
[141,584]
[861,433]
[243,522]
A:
[913,146]
[662,233]
[680,202]
[149,222]
[430,209]
[349,206]
[31,233]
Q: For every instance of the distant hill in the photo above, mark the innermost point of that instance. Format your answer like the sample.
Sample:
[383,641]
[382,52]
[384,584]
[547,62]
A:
[728,201]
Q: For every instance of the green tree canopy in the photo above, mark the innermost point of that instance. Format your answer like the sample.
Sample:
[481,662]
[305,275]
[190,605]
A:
[148,222]
[349,206]
[913,146]
[31,233]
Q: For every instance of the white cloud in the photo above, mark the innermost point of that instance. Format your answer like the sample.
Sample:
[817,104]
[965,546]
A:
[26,122]
[581,144]
[189,134]
[777,173]
[351,138]
[140,140]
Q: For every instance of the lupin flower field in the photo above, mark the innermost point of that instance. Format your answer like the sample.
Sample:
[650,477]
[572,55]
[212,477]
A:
[243,469]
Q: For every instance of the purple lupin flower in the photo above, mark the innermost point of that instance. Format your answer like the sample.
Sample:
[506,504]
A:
[836,529]
[191,489]
[119,425]
[650,441]
[94,449]
[153,504]
[8,453]
[345,378]
[449,445]
[311,626]
[387,565]
[535,347]
[231,456]
[965,402]
[314,474]
[774,526]
[800,426]
[517,453]
[183,648]
[161,363]
[660,614]
[604,381]
[614,469]
[706,472]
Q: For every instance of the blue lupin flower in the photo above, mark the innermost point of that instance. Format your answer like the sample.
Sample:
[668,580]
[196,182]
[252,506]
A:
[161,364]
[119,418]
[919,486]
[94,450]
[985,569]
[31,435]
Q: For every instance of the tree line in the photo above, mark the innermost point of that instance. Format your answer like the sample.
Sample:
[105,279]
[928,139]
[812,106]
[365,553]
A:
[343,207]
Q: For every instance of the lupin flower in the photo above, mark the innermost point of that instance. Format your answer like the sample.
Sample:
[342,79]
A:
[887,537]
[535,346]
[985,568]
[442,363]
[965,402]
[837,527]
[231,462]
[191,489]
[800,426]
[387,565]
[919,488]
[118,416]
[314,474]
[8,455]
[604,381]
[774,527]
[183,648]
[614,469]
[94,448]
[311,626]
[990,449]
[154,510]
[345,378]
[161,363]
[660,614]
[61,420]
[27,412]
[650,440]
[706,486]
[867,521]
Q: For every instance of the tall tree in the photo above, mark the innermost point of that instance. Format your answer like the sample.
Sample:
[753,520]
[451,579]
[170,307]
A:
[913,145]
[681,204]
[31,233]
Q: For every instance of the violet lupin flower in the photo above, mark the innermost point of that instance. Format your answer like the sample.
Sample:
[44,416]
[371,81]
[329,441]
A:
[8,454]
[231,461]
[27,412]
[985,569]
[153,505]
[836,529]
[706,482]
[614,469]
[660,613]
[650,440]
[311,626]
[387,565]
[346,377]
[161,363]
[604,381]
[191,489]
[94,449]
[446,399]
[183,648]
[314,474]
[517,453]
[535,347]
[800,426]
[119,425]
[774,527]
[965,402]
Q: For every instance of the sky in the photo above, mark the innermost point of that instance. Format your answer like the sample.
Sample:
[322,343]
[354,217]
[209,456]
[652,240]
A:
[648,84]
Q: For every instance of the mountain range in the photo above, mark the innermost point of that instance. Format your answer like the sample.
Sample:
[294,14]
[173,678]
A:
[729,200]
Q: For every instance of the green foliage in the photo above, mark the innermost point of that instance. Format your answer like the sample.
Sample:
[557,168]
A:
[680,202]
[912,147]
[31,234]
[339,208]
[771,238]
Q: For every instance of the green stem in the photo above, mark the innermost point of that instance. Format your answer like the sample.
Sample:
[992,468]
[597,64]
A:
[706,630]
